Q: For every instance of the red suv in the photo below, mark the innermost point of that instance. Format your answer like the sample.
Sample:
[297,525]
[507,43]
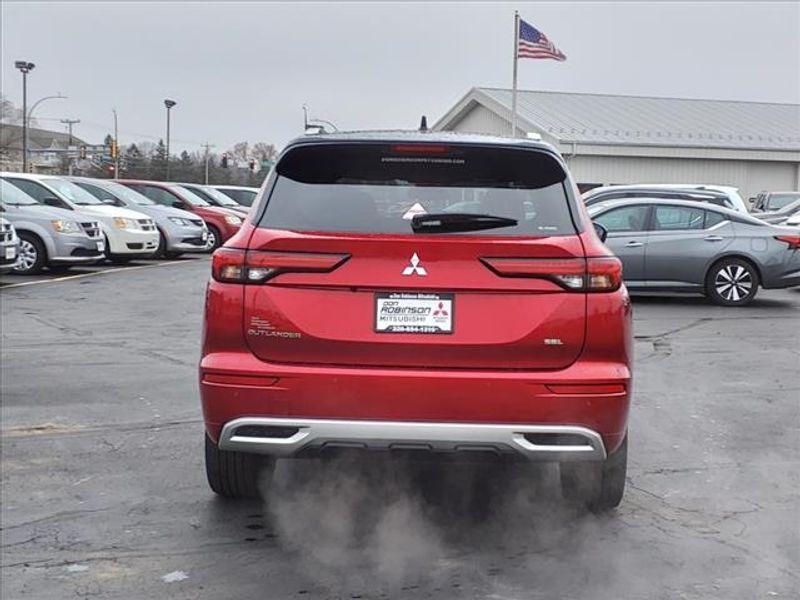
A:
[222,223]
[418,292]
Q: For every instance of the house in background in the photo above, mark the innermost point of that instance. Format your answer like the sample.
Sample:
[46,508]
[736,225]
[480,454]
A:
[610,139]
[47,149]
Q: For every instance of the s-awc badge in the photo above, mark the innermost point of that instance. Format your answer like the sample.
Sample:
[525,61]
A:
[400,312]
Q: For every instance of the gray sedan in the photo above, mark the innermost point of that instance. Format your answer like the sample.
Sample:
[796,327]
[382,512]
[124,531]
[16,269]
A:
[685,246]
[181,231]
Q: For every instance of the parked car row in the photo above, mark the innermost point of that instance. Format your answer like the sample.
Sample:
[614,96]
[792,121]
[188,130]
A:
[66,221]
[696,239]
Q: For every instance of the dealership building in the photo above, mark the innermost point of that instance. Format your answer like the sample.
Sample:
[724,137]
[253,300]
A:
[610,139]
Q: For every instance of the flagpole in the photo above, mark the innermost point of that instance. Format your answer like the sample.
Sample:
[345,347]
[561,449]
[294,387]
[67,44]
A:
[514,85]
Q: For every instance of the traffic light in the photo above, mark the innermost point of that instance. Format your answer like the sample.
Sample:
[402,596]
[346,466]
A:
[114,149]
[224,161]
[83,152]
[252,164]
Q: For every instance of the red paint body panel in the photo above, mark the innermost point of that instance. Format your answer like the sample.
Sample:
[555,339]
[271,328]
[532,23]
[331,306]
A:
[494,368]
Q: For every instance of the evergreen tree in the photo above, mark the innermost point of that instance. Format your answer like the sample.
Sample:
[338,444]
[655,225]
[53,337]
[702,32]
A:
[186,170]
[132,164]
[158,162]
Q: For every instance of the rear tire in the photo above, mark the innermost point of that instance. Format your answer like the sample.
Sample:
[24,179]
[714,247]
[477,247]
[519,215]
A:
[236,474]
[732,282]
[32,255]
[599,486]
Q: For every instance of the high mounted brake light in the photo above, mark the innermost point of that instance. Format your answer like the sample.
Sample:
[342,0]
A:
[602,274]
[792,240]
[256,267]
[420,149]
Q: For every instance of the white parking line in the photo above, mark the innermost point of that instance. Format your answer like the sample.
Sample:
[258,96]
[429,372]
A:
[92,274]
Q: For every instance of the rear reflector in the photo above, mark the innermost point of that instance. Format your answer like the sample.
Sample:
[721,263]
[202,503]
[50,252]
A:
[792,240]
[240,380]
[255,267]
[603,274]
[599,389]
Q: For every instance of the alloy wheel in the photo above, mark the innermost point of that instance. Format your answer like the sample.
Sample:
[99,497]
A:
[211,242]
[733,282]
[27,256]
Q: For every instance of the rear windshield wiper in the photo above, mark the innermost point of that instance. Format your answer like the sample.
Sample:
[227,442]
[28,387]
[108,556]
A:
[454,222]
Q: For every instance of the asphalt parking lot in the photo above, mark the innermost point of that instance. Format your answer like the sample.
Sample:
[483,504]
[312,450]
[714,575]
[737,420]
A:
[104,492]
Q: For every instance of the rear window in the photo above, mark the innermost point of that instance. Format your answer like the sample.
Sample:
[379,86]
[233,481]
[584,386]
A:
[377,188]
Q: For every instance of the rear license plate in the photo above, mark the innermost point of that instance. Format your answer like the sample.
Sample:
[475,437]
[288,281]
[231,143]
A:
[101,246]
[400,312]
[11,253]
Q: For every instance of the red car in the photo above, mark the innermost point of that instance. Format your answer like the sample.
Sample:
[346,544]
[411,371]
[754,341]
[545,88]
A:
[418,293]
[222,223]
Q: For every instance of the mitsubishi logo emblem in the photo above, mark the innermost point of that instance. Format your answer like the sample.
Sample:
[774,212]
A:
[415,267]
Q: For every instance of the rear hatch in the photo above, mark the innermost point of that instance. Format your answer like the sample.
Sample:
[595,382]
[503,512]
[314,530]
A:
[347,281]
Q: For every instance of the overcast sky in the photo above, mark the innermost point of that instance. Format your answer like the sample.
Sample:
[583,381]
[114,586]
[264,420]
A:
[243,71]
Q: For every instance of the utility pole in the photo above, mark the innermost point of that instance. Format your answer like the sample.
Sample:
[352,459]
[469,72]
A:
[69,123]
[116,145]
[24,67]
[207,146]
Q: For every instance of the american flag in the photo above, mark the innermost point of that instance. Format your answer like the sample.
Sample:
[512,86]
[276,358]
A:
[534,44]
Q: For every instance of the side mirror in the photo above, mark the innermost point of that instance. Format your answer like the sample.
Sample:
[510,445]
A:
[109,201]
[601,231]
[51,201]
[178,204]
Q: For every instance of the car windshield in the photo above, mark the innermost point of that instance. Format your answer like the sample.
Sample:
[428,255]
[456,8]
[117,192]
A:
[221,198]
[190,196]
[72,192]
[13,196]
[378,188]
[127,194]
[243,196]
[778,201]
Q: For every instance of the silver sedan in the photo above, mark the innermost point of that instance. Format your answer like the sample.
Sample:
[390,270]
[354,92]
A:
[686,246]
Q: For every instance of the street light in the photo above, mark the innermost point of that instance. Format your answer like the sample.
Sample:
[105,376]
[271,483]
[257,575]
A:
[25,67]
[29,118]
[169,104]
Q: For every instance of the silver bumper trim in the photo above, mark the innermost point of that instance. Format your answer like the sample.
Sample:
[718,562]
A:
[399,435]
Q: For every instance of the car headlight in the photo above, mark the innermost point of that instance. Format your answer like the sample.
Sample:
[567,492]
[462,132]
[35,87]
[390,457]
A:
[66,226]
[121,223]
[180,221]
[233,220]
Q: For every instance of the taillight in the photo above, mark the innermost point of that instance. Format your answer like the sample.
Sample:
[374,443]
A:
[603,274]
[791,239]
[254,267]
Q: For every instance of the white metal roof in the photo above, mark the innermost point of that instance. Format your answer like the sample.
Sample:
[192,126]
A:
[640,120]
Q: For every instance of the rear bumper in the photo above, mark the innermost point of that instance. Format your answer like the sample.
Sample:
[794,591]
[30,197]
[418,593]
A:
[287,437]
[590,395]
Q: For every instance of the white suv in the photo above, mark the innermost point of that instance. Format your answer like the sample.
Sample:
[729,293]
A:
[130,234]
[721,195]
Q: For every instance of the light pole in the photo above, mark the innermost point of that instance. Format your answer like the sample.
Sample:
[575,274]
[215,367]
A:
[25,67]
[169,104]
[116,145]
